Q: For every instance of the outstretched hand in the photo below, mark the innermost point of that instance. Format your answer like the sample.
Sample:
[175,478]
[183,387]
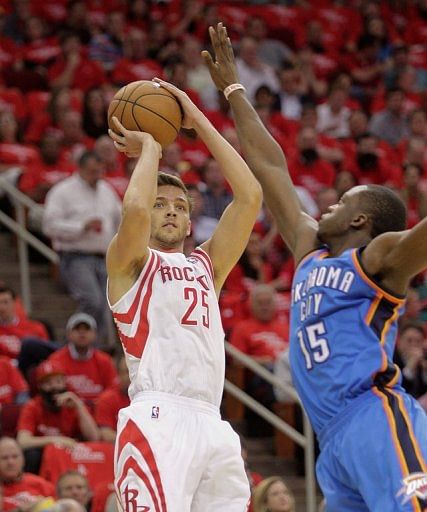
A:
[223,70]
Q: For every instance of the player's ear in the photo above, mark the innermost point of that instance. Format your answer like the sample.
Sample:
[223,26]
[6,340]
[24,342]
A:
[189,228]
[359,221]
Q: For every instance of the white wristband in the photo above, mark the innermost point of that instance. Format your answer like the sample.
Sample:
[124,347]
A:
[231,88]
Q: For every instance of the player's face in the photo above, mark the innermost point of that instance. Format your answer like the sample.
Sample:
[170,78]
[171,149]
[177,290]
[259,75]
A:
[11,460]
[170,218]
[338,218]
[278,498]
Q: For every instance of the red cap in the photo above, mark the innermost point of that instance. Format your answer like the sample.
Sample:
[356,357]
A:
[47,369]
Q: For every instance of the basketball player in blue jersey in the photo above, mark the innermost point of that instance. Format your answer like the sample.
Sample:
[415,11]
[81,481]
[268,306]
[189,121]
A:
[353,269]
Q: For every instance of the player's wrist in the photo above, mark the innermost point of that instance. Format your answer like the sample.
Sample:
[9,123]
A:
[232,88]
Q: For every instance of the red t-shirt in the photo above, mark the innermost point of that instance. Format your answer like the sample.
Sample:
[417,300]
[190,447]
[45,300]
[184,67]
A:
[87,75]
[18,494]
[108,406]
[94,460]
[127,70]
[40,421]
[259,339]
[11,335]
[11,382]
[87,378]
[313,177]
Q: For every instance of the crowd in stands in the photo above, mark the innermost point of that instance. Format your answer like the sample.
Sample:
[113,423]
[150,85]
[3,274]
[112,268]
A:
[341,86]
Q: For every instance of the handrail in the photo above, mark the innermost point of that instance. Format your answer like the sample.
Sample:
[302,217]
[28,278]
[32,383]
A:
[306,441]
[25,238]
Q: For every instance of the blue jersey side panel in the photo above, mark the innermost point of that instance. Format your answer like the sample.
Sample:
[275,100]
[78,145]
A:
[343,334]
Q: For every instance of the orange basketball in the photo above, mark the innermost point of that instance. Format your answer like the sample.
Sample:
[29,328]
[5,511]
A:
[146,106]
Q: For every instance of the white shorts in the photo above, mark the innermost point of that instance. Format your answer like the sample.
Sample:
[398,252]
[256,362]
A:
[175,454]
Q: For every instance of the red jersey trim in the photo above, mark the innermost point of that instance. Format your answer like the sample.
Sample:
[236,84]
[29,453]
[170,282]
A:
[135,345]
[203,256]
[127,318]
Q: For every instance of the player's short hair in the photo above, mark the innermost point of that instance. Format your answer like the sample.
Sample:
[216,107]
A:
[170,179]
[385,208]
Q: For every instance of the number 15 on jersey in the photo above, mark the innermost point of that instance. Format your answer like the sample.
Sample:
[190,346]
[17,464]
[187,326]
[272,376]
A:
[313,344]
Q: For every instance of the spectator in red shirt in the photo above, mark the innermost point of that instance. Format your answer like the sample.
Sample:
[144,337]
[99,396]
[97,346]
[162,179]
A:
[95,109]
[369,167]
[13,386]
[307,168]
[135,65]
[40,177]
[55,415]
[263,335]
[21,490]
[89,371]
[73,69]
[74,141]
[110,402]
[13,328]
[413,195]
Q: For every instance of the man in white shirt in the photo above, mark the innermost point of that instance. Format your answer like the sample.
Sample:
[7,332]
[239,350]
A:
[82,214]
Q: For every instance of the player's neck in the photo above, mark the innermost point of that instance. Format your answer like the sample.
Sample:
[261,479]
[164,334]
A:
[158,246]
[352,240]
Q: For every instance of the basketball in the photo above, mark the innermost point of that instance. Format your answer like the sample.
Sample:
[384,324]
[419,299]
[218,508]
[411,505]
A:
[147,107]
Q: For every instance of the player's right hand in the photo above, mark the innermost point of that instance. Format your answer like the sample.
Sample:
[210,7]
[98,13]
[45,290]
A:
[223,70]
[130,142]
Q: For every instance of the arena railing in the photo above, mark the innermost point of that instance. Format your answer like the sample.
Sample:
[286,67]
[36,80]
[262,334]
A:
[305,440]
[24,205]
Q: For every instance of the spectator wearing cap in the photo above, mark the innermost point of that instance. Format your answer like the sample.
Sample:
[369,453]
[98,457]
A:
[54,415]
[89,371]
[110,402]
[21,490]
[81,216]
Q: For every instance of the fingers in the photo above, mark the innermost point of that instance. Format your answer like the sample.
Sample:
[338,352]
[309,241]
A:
[120,128]
[170,87]
[207,57]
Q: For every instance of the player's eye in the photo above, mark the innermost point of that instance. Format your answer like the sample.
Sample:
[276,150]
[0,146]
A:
[158,204]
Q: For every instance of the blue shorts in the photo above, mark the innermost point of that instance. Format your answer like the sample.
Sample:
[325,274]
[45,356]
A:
[373,457]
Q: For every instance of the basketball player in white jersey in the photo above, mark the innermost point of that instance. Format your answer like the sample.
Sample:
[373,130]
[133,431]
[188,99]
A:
[173,451]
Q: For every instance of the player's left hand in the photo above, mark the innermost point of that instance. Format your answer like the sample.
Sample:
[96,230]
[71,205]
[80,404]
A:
[191,112]
[131,142]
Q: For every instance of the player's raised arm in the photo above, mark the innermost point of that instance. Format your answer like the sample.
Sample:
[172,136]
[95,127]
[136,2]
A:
[262,153]
[397,257]
[128,250]
[232,233]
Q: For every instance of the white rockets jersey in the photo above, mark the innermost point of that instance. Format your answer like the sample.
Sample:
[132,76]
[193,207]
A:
[170,328]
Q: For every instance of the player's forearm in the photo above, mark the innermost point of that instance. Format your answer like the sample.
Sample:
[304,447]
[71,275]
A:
[142,188]
[233,167]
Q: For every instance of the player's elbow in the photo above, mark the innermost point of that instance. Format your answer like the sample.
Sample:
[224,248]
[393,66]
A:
[254,195]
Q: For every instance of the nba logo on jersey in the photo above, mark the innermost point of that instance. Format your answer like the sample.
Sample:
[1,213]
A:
[155,411]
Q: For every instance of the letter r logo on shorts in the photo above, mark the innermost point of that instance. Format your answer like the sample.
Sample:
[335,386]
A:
[155,411]
[131,505]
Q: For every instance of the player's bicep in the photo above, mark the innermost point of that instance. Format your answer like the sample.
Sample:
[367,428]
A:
[230,238]
[130,244]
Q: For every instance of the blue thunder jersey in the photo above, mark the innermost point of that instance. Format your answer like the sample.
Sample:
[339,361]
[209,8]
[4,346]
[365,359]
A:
[343,329]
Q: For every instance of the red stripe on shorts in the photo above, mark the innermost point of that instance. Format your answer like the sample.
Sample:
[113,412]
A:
[132,434]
